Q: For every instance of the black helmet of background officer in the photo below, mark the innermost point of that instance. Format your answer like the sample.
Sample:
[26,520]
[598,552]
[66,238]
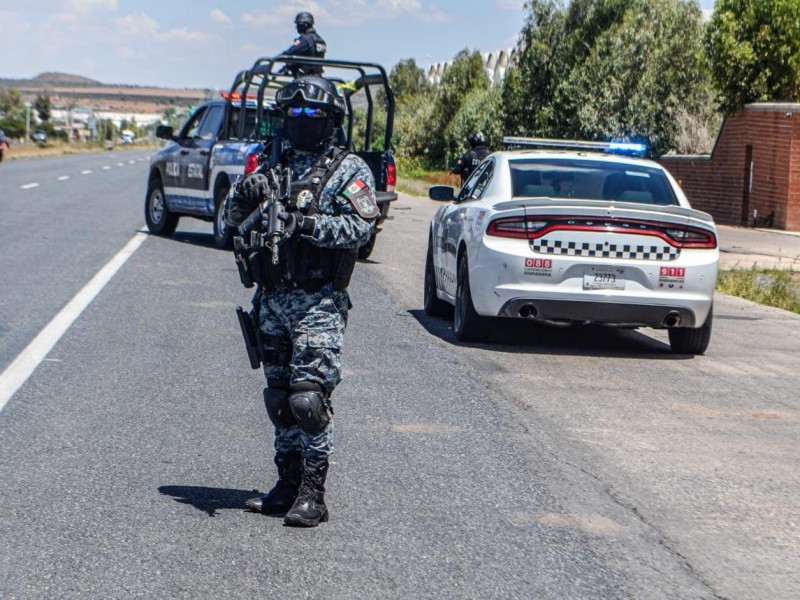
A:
[304,132]
[477,139]
[304,21]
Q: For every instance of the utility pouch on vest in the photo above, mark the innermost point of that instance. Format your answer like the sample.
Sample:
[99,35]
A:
[252,337]
[240,254]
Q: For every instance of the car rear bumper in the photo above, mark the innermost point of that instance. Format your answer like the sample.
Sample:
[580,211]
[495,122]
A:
[606,313]
[508,280]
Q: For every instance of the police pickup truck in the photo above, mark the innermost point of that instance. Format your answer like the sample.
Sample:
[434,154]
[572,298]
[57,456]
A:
[223,140]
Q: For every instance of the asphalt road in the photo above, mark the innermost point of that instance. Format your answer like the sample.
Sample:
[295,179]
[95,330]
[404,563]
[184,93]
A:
[549,464]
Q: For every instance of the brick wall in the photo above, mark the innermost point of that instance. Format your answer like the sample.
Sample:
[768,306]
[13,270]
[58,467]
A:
[716,183]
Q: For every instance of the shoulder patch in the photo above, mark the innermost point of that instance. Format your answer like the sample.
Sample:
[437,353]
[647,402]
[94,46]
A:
[362,198]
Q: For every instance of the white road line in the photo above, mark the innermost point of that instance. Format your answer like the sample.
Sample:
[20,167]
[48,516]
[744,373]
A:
[63,178]
[120,164]
[106,167]
[25,364]
[131,162]
[28,186]
[86,172]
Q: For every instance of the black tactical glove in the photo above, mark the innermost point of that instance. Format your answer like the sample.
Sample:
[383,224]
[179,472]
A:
[254,187]
[295,224]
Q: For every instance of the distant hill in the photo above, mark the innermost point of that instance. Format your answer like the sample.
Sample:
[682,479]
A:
[64,79]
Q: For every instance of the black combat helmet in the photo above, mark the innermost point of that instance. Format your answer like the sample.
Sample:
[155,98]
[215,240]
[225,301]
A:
[303,21]
[312,90]
[477,139]
[307,131]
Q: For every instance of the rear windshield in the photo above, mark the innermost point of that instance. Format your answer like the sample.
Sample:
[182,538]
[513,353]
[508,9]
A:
[591,180]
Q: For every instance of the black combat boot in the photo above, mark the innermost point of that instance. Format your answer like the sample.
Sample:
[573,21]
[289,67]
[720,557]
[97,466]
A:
[309,508]
[281,497]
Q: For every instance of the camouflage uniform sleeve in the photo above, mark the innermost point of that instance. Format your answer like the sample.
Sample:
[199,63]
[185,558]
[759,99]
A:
[338,224]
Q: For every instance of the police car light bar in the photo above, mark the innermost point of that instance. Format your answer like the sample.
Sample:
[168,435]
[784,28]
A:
[627,148]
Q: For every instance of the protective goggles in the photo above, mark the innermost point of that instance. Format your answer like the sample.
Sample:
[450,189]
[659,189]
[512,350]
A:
[310,93]
[312,112]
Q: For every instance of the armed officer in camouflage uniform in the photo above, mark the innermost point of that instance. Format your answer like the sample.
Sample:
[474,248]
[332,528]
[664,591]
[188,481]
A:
[473,157]
[309,43]
[301,304]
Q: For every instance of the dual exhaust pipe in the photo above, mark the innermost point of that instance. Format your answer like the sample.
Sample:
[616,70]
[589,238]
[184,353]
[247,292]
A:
[529,311]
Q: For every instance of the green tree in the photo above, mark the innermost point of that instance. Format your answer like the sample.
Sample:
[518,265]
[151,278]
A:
[408,81]
[608,68]
[529,86]
[462,77]
[754,49]
[12,113]
[480,111]
[43,107]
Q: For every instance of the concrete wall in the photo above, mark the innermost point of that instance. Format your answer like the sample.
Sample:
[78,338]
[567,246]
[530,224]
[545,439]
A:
[752,177]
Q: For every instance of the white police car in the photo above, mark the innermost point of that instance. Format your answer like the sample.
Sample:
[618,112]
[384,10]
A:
[582,235]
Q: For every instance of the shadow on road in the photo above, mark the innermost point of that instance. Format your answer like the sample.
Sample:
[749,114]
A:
[517,336]
[208,499]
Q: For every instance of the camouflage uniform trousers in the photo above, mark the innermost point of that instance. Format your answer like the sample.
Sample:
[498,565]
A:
[314,323]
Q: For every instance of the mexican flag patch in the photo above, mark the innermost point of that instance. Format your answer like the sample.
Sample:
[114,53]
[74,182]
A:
[362,198]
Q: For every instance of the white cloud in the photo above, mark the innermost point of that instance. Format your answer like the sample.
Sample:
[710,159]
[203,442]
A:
[344,13]
[510,4]
[217,16]
[88,6]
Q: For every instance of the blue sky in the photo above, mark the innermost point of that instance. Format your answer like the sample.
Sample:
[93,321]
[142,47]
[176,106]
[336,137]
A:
[203,43]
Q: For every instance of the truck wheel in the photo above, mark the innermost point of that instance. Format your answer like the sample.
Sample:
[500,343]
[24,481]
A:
[468,325]
[223,235]
[688,340]
[434,307]
[158,217]
[365,250]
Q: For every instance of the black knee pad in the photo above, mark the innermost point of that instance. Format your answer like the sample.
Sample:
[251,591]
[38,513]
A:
[278,408]
[308,404]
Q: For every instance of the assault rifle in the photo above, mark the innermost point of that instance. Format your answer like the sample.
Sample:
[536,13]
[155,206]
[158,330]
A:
[262,229]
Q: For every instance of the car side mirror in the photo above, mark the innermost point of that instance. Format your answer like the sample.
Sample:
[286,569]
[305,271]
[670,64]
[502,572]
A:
[441,192]
[164,132]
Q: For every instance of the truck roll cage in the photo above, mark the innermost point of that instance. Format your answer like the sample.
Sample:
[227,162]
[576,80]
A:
[255,89]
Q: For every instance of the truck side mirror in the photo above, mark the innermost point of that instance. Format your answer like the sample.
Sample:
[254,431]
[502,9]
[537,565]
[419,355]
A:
[164,132]
[441,192]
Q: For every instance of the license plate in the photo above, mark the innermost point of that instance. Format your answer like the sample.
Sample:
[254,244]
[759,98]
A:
[603,278]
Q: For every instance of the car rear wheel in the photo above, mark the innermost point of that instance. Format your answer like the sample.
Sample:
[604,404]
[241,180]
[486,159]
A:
[686,340]
[223,235]
[467,323]
[434,307]
[158,217]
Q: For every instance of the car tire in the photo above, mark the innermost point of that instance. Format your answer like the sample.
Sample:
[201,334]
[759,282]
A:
[366,249]
[223,234]
[158,217]
[468,325]
[690,340]
[433,306]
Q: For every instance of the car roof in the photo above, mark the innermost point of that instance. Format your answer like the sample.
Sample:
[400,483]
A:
[578,155]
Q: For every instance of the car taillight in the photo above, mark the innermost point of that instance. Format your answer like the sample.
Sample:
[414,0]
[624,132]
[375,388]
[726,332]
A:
[535,227]
[391,177]
[515,227]
[692,238]
[251,164]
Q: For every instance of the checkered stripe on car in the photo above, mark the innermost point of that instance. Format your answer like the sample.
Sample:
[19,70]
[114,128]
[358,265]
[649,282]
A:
[602,250]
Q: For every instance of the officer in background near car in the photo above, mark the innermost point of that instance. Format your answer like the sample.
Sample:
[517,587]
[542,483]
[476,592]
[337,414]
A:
[301,304]
[473,157]
[309,43]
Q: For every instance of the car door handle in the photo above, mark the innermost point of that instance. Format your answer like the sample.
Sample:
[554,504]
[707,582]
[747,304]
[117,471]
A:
[184,152]
[204,152]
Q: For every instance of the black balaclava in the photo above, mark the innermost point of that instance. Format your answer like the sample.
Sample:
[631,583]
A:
[308,134]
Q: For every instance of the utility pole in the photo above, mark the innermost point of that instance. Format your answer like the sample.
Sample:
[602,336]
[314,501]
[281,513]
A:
[27,121]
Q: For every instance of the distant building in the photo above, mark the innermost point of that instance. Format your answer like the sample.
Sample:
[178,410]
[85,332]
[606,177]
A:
[494,63]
